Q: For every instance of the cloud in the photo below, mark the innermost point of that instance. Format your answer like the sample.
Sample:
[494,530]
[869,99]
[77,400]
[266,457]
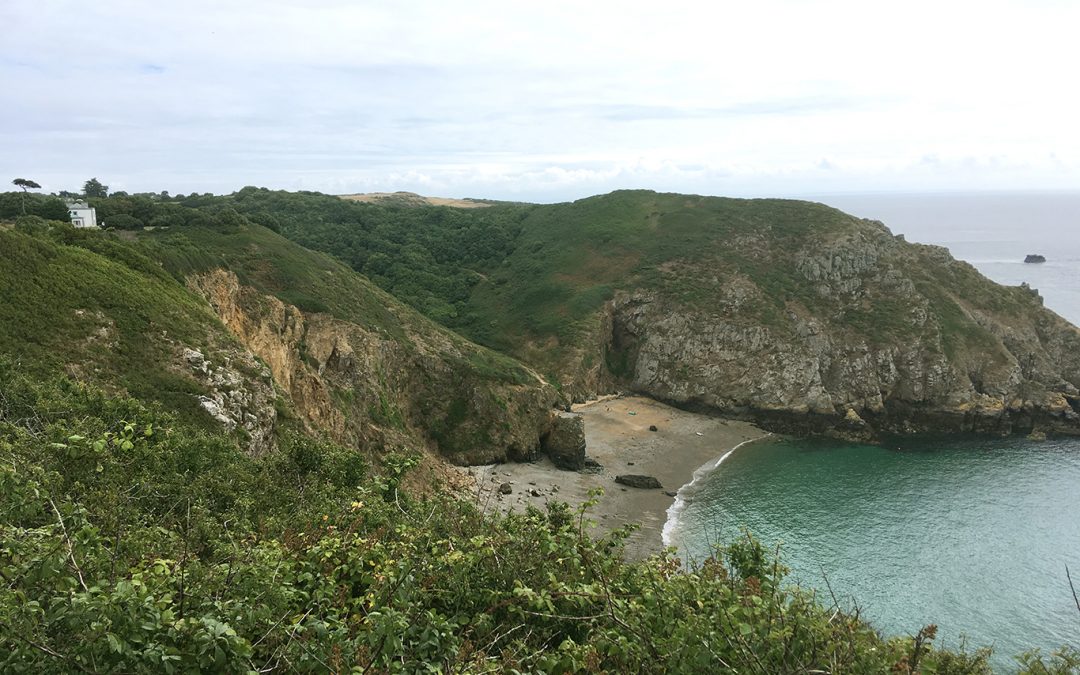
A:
[540,100]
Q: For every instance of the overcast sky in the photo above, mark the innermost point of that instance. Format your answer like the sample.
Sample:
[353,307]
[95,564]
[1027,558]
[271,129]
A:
[542,101]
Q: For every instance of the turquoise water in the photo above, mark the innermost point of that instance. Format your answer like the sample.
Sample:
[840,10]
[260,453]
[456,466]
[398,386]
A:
[973,535]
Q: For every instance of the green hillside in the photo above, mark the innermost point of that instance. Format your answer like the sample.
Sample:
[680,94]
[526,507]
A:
[570,258]
[124,312]
[140,533]
[98,309]
[812,312]
[130,542]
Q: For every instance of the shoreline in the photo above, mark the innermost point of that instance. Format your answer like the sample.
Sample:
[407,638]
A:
[685,494]
[617,436]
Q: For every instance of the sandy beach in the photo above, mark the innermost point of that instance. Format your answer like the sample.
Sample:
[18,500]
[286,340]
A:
[617,435]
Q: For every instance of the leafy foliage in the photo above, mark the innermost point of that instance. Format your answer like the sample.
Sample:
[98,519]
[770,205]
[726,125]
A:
[130,542]
[26,184]
[13,204]
[429,257]
[94,188]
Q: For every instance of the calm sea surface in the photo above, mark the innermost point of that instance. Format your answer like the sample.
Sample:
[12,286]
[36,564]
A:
[971,534]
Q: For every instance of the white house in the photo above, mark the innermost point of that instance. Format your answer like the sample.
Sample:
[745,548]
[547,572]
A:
[82,214]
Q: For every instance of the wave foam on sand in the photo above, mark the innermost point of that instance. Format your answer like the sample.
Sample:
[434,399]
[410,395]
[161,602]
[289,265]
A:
[685,494]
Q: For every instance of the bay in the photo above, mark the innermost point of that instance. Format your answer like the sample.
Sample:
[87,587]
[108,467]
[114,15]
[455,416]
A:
[971,534]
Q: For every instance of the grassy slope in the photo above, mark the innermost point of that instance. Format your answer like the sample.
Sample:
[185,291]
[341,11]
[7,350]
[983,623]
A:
[527,280]
[572,257]
[101,309]
[314,282]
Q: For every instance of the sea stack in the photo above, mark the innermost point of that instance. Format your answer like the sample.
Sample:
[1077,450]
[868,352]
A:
[1034,258]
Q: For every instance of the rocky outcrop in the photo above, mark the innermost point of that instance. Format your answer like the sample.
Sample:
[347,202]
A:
[381,387]
[564,444]
[638,481]
[876,335]
[240,395]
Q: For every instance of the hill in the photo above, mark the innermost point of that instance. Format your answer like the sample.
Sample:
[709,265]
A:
[789,312]
[206,432]
[231,324]
[413,199]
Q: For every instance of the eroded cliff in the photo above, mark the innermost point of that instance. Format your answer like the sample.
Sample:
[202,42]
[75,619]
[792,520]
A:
[875,335]
[366,387]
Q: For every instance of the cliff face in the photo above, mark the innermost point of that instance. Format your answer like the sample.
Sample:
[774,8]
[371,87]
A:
[371,389]
[875,335]
[793,312]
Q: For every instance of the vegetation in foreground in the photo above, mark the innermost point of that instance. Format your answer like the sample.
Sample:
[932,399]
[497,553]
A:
[130,542]
[135,540]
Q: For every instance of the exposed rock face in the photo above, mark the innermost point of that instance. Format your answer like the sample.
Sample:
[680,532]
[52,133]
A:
[879,335]
[1034,258]
[368,388]
[565,442]
[241,395]
[637,481]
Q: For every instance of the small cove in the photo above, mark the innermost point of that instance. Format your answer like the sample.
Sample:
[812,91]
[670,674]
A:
[971,534]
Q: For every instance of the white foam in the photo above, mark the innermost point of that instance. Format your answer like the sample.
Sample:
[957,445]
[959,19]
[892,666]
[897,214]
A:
[682,497]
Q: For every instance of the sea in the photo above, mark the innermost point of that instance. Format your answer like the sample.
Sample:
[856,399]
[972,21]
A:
[974,535]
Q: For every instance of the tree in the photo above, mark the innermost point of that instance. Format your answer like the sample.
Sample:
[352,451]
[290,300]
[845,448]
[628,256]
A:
[123,221]
[94,188]
[25,184]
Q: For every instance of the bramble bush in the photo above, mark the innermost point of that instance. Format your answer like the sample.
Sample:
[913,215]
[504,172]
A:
[129,542]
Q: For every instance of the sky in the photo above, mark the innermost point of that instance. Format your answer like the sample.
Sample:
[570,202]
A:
[542,101]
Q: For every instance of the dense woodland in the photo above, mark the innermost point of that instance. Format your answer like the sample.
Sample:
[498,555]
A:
[135,539]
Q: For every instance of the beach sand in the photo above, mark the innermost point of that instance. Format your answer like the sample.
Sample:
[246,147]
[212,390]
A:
[617,435]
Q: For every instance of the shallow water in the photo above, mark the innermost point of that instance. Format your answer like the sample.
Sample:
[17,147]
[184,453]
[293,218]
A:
[972,535]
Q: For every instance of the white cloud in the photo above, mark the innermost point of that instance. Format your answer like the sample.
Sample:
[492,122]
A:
[542,100]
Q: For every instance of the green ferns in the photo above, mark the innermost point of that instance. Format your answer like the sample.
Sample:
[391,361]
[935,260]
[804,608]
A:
[129,542]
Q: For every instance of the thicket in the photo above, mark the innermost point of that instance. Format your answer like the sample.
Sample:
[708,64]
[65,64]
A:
[15,204]
[429,257]
[132,543]
[80,298]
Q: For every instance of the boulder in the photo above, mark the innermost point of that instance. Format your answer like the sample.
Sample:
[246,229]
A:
[638,481]
[853,420]
[506,489]
[565,442]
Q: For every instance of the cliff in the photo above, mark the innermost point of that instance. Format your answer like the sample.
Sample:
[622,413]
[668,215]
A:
[353,361]
[792,313]
[846,330]
[166,317]
[365,388]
